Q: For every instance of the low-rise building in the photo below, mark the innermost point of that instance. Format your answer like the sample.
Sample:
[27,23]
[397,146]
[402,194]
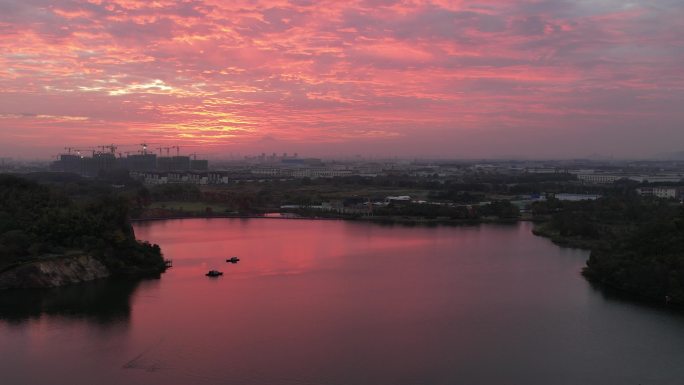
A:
[663,192]
[576,197]
[201,178]
[599,178]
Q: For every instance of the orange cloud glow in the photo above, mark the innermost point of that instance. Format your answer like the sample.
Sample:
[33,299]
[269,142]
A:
[385,77]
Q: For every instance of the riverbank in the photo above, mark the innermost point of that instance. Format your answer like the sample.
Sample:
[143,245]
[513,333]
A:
[49,238]
[69,269]
[398,219]
[601,279]
[53,272]
[636,245]
[220,216]
[540,228]
[544,229]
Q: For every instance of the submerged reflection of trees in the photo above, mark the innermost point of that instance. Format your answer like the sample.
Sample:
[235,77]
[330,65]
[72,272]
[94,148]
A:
[102,302]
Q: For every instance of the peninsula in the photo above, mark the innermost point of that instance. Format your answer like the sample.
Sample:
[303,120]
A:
[636,244]
[53,237]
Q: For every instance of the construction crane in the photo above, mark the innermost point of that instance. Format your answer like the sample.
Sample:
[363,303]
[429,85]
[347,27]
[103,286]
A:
[194,155]
[112,149]
[177,150]
[164,148]
[144,147]
[69,149]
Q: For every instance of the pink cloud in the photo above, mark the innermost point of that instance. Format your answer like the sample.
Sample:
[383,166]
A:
[325,76]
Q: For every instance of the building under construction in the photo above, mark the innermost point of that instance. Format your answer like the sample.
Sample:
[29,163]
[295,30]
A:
[106,159]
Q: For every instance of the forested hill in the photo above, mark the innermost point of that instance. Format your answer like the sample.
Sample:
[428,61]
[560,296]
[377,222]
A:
[647,262]
[42,221]
[637,244]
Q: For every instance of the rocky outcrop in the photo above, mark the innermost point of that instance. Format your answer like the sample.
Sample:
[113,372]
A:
[53,272]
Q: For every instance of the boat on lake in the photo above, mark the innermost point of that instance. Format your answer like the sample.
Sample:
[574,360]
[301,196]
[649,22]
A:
[214,273]
[233,259]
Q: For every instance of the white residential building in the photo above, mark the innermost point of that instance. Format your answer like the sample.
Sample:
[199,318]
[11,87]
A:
[599,178]
[659,192]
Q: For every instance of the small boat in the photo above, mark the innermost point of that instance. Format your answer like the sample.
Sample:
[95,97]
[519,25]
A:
[233,259]
[214,273]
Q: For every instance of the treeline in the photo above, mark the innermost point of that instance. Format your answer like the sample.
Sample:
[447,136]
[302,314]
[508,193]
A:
[476,182]
[39,220]
[647,262]
[272,193]
[497,209]
[637,244]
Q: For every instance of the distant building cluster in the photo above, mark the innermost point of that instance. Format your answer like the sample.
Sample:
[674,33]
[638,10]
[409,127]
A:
[659,180]
[107,161]
[663,192]
[598,177]
[181,177]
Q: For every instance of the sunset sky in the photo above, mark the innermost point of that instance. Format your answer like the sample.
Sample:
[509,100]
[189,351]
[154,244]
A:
[489,78]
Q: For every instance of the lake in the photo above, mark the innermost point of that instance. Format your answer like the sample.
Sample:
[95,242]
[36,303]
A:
[341,303]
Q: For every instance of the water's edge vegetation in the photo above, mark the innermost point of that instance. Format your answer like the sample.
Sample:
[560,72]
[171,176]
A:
[636,244]
[50,237]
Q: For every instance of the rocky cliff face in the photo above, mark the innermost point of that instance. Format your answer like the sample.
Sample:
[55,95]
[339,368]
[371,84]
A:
[53,272]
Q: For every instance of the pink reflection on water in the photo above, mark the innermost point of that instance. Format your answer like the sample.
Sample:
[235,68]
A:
[330,302]
[264,249]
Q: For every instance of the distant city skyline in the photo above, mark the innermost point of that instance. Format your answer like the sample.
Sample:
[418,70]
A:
[443,79]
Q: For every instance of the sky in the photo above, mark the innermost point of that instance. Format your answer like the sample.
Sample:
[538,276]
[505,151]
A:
[414,78]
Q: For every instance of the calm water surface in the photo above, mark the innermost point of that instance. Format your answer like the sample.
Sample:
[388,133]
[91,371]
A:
[328,302]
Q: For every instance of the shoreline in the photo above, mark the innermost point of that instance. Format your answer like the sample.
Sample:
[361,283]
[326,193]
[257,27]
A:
[562,241]
[229,217]
[376,219]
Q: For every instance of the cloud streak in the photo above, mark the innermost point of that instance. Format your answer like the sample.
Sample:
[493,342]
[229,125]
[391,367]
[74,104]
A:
[458,77]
